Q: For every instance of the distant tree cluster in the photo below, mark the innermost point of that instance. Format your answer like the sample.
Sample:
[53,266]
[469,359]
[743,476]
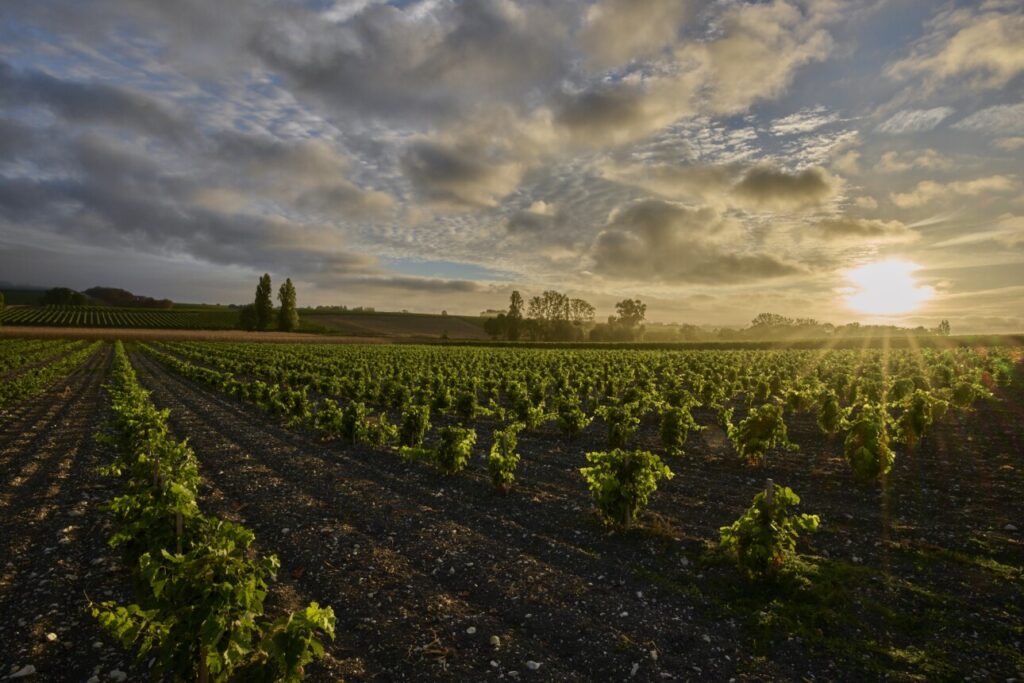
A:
[113,296]
[63,296]
[261,314]
[554,316]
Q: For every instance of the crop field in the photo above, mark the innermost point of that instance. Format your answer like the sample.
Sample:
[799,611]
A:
[99,316]
[242,511]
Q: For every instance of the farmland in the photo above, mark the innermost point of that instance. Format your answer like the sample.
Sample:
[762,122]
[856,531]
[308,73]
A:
[433,497]
[101,316]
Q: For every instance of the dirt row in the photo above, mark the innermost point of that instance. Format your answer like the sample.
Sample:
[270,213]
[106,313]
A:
[53,552]
[414,561]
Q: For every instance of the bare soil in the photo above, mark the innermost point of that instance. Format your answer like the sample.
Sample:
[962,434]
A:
[53,532]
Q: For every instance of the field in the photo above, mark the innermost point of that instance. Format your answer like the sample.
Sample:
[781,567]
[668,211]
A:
[102,316]
[440,566]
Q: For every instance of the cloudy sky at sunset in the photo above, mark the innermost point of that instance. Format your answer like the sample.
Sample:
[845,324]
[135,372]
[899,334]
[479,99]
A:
[716,159]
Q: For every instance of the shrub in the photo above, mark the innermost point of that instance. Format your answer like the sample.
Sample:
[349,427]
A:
[503,459]
[676,424]
[764,538]
[831,417]
[466,405]
[571,418]
[621,482]
[867,443]
[622,424]
[452,452]
[414,425]
[762,429]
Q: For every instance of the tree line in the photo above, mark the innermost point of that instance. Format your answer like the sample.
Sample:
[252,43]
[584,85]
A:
[261,314]
[554,316]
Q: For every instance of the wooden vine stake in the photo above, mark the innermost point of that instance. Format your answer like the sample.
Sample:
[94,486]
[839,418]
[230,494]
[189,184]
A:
[769,492]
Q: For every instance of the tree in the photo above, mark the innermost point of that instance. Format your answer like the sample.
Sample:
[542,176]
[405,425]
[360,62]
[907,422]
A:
[247,318]
[497,326]
[62,296]
[943,328]
[264,303]
[288,316]
[514,317]
[631,312]
[580,311]
[771,320]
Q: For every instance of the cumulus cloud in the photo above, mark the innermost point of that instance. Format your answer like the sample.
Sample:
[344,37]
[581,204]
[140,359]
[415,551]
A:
[848,228]
[769,187]
[458,177]
[670,242]
[615,32]
[915,120]
[928,191]
[982,47]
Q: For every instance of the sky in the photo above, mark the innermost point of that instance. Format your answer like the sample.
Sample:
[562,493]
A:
[715,159]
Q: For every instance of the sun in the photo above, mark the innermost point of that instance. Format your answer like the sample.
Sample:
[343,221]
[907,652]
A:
[886,288]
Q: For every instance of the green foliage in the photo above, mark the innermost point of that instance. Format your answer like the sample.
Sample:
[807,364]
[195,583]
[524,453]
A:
[764,538]
[466,405]
[288,314]
[571,418]
[831,417]
[764,428]
[414,425]
[201,587]
[867,443]
[264,304]
[676,425]
[451,453]
[622,482]
[622,422]
[917,417]
[503,459]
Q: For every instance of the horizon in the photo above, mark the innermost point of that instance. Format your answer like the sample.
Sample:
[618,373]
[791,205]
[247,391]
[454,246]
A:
[844,161]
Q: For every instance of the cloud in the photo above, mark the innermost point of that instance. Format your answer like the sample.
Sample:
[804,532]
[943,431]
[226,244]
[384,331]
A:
[981,47]
[1002,118]
[458,177]
[929,191]
[668,242]
[1007,231]
[92,103]
[900,162]
[615,32]
[803,121]
[765,186]
[914,120]
[1010,144]
[849,228]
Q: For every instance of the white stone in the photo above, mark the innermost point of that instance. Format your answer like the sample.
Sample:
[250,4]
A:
[532,665]
[471,630]
[24,672]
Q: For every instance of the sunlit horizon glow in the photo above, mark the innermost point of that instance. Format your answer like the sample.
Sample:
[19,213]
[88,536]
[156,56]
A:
[887,288]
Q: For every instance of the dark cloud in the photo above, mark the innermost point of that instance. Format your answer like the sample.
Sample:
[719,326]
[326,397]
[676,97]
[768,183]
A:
[457,177]
[669,242]
[91,102]
[769,187]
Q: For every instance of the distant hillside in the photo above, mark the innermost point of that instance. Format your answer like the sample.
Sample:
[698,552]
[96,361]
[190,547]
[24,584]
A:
[122,298]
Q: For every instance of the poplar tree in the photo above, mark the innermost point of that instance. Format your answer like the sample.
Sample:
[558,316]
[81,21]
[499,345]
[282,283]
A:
[264,303]
[288,315]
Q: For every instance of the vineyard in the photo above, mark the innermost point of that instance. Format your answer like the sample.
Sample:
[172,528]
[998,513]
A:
[98,316]
[462,513]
